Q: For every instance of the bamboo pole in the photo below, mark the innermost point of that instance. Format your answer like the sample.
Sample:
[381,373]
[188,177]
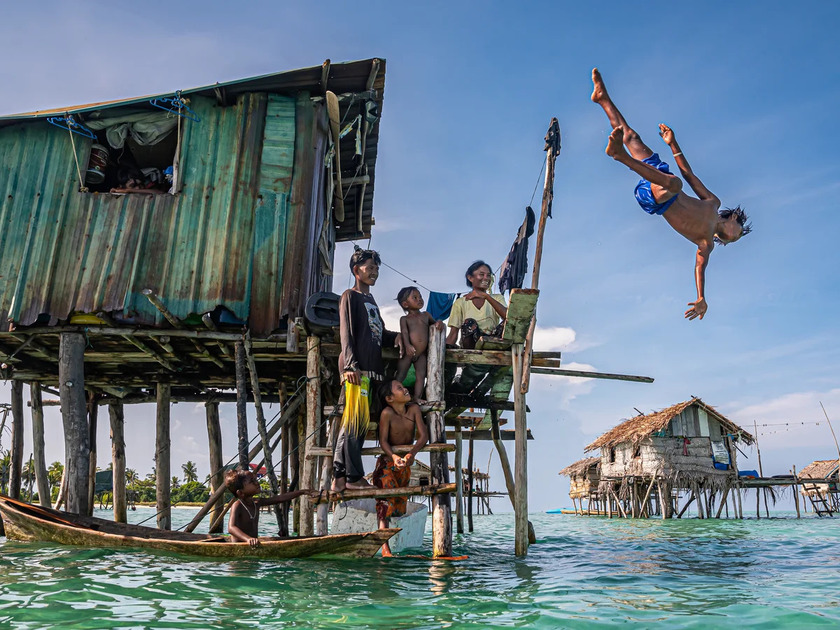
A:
[441,505]
[16,454]
[264,439]
[470,477]
[459,479]
[313,422]
[71,375]
[796,493]
[522,526]
[162,458]
[242,406]
[552,149]
[116,418]
[217,465]
[38,444]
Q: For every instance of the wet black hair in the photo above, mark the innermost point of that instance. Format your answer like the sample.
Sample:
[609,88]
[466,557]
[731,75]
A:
[384,390]
[361,255]
[740,217]
[235,479]
[403,294]
[472,269]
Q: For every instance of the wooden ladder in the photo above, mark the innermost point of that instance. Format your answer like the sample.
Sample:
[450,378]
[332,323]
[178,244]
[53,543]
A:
[818,501]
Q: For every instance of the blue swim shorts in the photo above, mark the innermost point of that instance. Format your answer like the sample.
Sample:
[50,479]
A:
[644,195]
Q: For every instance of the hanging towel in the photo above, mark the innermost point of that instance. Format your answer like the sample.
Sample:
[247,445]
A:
[440,304]
[516,263]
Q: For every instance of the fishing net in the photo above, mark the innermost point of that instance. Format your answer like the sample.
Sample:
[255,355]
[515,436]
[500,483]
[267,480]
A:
[356,417]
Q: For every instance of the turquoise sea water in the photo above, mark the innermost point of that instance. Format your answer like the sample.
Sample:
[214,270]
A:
[583,573]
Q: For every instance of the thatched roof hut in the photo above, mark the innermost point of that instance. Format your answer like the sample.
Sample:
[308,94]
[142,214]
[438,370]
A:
[821,469]
[584,477]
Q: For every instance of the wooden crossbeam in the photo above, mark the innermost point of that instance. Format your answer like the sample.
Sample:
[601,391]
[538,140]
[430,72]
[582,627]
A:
[377,450]
[381,493]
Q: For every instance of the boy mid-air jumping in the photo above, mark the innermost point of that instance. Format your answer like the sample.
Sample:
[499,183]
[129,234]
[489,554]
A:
[660,192]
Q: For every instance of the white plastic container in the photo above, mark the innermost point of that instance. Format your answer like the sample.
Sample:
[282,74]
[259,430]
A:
[359,515]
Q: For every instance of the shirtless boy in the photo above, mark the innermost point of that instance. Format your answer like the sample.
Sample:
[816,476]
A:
[244,522]
[399,422]
[660,192]
[414,328]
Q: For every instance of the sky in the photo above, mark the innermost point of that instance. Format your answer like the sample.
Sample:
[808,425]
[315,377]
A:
[751,90]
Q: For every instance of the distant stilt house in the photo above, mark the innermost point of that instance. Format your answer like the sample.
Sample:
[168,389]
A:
[820,486]
[584,482]
[650,461]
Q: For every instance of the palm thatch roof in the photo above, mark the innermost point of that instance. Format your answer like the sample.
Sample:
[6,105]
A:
[580,467]
[637,429]
[820,469]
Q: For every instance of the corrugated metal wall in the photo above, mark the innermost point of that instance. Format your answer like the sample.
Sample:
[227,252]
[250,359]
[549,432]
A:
[222,241]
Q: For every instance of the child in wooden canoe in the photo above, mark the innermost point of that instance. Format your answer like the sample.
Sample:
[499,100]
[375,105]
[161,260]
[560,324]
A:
[399,422]
[414,328]
[244,522]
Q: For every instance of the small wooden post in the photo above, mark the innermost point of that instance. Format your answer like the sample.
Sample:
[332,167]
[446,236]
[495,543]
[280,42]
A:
[470,490]
[38,444]
[521,442]
[322,517]
[662,509]
[162,458]
[313,422]
[242,406]
[16,455]
[284,476]
[459,479]
[796,493]
[296,462]
[441,506]
[214,439]
[71,376]
[117,418]
[93,420]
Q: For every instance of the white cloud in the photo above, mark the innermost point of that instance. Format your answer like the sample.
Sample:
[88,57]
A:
[553,338]
[563,389]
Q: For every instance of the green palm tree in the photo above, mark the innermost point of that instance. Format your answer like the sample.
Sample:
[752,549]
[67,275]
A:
[190,472]
[54,473]
[175,482]
[131,476]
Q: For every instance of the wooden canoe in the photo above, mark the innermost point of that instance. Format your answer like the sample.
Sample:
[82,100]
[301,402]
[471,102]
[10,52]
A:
[27,522]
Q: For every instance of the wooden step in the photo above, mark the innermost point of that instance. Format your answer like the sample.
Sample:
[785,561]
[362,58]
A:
[377,450]
[426,407]
[381,493]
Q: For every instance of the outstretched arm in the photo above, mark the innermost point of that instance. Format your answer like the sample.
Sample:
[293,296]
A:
[698,308]
[685,169]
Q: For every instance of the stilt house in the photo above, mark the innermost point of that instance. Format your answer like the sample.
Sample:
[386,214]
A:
[689,446]
[584,480]
[820,485]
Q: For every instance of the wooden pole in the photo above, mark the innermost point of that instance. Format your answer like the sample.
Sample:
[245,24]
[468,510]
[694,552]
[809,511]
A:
[470,489]
[38,444]
[441,505]
[662,509]
[552,149]
[284,478]
[217,464]
[796,493]
[645,509]
[241,406]
[162,458]
[71,376]
[264,439]
[296,462]
[322,517]
[521,527]
[16,455]
[117,419]
[311,433]
[723,499]
[459,479]
[93,420]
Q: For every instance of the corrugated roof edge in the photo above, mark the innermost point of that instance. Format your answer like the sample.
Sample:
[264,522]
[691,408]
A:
[263,80]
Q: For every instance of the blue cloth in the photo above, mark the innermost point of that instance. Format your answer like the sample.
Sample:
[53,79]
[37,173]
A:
[644,195]
[440,304]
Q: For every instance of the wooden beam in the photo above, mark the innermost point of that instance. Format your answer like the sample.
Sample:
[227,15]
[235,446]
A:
[382,493]
[217,464]
[16,451]
[582,374]
[459,479]
[521,449]
[324,451]
[241,406]
[116,416]
[441,508]
[93,419]
[311,434]
[470,490]
[163,501]
[71,374]
[41,474]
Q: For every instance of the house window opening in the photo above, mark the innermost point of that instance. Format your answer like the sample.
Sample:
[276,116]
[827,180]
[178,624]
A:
[637,451]
[134,152]
[612,454]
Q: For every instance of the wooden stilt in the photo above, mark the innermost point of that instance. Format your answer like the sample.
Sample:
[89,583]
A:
[313,422]
[162,458]
[521,478]
[441,505]
[264,439]
[796,493]
[459,479]
[242,406]
[38,444]
[723,499]
[296,459]
[117,419]
[16,454]
[470,488]
[93,420]
[322,516]
[62,490]
[71,376]
[757,503]
[608,501]
[217,464]
[284,477]
[687,503]
[645,511]
[662,508]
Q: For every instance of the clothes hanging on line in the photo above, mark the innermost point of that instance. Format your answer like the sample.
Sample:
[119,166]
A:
[516,263]
[440,304]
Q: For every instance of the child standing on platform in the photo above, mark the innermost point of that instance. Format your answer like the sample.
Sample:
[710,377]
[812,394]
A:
[414,328]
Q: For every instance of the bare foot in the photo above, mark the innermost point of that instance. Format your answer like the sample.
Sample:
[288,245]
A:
[599,92]
[339,485]
[615,145]
[361,484]
[386,551]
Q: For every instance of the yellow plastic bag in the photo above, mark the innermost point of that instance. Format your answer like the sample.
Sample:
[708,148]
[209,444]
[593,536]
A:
[356,417]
